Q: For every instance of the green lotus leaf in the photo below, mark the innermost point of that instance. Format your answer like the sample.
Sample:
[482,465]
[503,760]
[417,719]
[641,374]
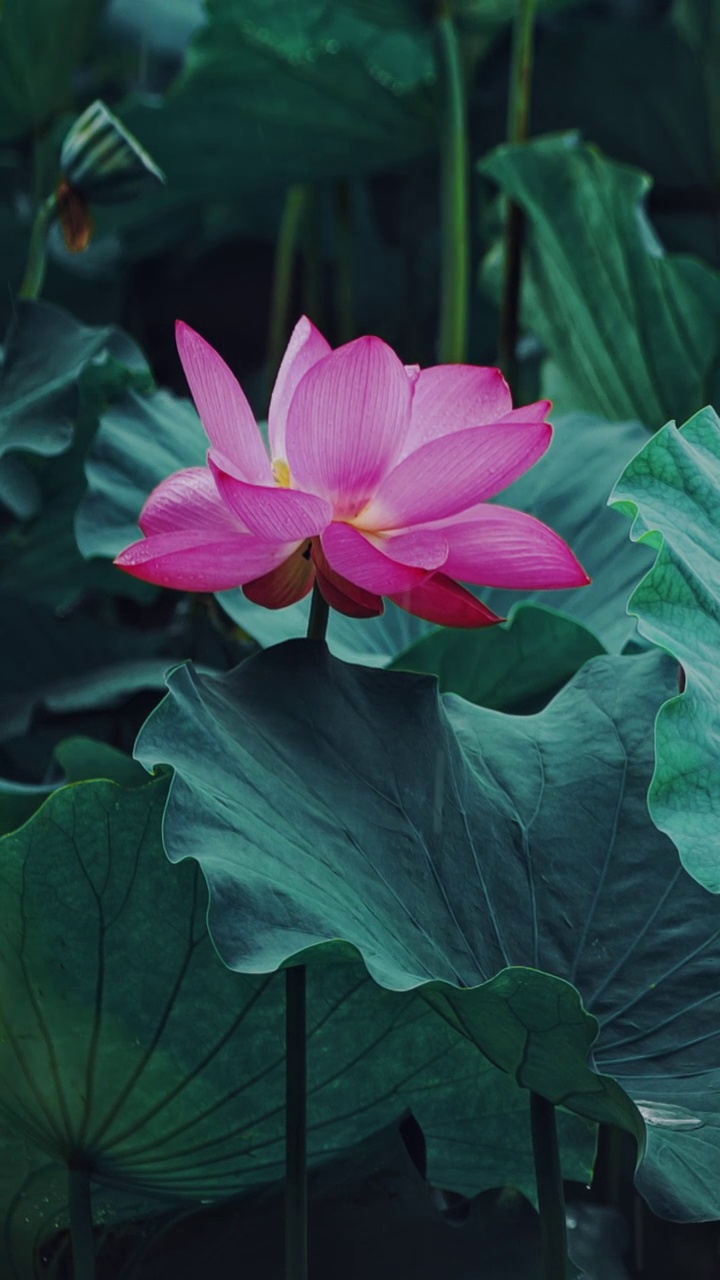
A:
[515,667]
[671,490]
[505,866]
[632,332]
[126,1043]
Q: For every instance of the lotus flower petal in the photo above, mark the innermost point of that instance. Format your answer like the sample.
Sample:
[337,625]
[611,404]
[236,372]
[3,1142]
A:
[272,512]
[446,475]
[354,557]
[291,581]
[342,595]
[347,422]
[228,420]
[537,412]
[378,484]
[453,397]
[441,600]
[197,561]
[423,548]
[499,547]
[305,348]
[188,500]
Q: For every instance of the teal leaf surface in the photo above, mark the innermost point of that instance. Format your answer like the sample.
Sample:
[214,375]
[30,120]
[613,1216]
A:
[126,1043]
[632,332]
[671,490]
[456,847]
[515,667]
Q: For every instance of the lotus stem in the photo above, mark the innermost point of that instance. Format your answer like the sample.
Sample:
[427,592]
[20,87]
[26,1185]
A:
[312,261]
[454,194]
[81,1223]
[549,1183]
[34,276]
[286,249]
[518,126]
[319,615]
[344,291]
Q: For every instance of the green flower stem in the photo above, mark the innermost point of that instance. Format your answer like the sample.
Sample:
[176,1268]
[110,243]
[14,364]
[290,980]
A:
[81,1224]
[312,260]
[518,125]
[454,195]
[319,615]
[296,1067]
[548,1179]
[32,282]
[293,217]
[344,291]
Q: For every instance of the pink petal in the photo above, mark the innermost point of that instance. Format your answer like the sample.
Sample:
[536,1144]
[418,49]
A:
[272,512]
[188,500]
[225,413]
[500,547]
[342,595]
[446,603]
[347,422]
[537,412]
[291,581]
[198,562]
[351,555]
[423,548]
[446,475]
[305,348]
[453,397]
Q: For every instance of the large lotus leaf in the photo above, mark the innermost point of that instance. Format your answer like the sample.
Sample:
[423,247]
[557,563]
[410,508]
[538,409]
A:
[39,558]
[658,117]
[46,352]
[453,845]
[70,664]
[632,332]
[516,667]
[42,43]
[278,93]
[125,1040]
[142,439]
[672,492]
[76,759]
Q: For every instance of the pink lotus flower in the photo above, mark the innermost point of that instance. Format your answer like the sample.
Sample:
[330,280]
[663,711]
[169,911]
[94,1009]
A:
[377,485]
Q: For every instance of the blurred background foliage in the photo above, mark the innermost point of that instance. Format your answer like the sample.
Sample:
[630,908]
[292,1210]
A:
[324,118]
[241,98]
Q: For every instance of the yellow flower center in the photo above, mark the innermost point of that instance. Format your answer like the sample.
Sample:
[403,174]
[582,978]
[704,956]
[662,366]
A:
[281,473]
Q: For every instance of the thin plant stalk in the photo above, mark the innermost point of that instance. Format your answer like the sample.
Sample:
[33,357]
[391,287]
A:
[81,1223]
[518,127]
[549,1183]
[454,194]
[296,1200]
[34,276]
[312,260]
[286,249]
[344,284]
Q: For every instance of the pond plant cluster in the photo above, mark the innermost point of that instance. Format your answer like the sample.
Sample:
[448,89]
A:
[359,696]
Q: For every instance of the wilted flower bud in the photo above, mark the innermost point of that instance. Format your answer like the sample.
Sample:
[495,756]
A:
[101,162]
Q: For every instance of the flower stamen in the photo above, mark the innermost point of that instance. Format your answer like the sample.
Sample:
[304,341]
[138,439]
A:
[281,473]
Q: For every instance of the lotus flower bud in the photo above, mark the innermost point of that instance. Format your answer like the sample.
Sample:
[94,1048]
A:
[102,162]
